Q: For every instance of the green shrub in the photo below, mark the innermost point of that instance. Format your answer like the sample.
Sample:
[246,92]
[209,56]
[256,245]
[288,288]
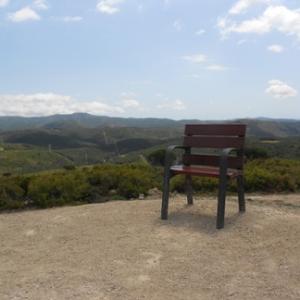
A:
[23,182]
[255,153]
[134,182]
[157,157]
[104,180]
[126,181]
[69,167]
[272,175]
[11,195]
[261,175]
[57,190]
[6,174]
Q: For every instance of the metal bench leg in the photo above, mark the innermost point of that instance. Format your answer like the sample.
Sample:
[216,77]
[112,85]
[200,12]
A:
[189,189]
[241,194]
[165,197]
[221,202]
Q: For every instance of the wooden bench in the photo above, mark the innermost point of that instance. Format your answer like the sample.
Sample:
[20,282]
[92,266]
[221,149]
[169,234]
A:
[228,139]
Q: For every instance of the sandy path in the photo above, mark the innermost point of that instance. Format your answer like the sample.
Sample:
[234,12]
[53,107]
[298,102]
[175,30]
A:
[122,250]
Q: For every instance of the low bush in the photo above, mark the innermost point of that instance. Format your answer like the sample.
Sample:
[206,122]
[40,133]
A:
[256,153]
[12,196]
[261,175]
[126,181]
[272,175]
[58,189]
[157,157]
[69,167]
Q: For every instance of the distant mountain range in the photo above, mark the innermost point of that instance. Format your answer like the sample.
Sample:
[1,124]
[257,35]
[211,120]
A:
[83,120]
[85,130]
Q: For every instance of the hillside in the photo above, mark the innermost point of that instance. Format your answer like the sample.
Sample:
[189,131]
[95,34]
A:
[105,138]
[260,127]
[33,144]
[123,251]
[82,119]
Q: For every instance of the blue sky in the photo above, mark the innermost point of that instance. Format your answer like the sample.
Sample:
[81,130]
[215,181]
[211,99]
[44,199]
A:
[150,58]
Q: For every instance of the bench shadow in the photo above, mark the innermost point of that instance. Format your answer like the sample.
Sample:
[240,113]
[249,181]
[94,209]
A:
[201,222]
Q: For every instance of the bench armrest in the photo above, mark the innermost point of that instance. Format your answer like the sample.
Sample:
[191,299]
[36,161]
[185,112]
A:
[226,152]
[174,147]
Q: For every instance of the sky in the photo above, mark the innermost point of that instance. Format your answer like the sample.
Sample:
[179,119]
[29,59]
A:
[179,59]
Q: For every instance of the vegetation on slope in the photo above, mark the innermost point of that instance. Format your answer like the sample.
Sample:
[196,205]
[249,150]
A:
[107,182]
[95,184]
[123,162]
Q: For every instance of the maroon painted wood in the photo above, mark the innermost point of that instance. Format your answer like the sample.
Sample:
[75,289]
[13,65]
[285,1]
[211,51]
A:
[215,129]
[225,166]
[213,142]
[211,160]
[203,171]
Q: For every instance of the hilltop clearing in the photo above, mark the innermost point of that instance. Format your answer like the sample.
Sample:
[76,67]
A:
[122,250]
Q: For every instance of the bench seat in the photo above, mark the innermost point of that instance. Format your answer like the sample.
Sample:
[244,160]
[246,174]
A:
[203,171]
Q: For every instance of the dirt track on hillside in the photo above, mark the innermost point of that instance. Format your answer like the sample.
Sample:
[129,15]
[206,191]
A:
[122,250]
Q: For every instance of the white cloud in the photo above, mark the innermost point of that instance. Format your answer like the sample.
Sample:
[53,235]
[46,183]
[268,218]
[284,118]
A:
[178,25]
[200,32]
[24,14]
[243,5]
[241,42]
[43,104]
[275,48]
[69,19]
[4,3]
[131,103]
[278,18]
[195,58]
[129,100]
[140,8]
[216,68]
[40,4]
[175,105]
[202,59]
[109,7]
[279,89]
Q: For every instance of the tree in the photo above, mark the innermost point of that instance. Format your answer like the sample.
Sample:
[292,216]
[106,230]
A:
[157,157]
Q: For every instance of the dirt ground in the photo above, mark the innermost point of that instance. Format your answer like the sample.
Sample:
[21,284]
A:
[122,250]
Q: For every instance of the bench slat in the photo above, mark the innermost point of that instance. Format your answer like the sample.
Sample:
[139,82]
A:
[214,142]
[215,129]
[211,160]
[203,171]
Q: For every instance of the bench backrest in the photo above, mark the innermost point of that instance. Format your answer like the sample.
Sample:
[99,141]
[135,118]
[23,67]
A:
[214,136]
